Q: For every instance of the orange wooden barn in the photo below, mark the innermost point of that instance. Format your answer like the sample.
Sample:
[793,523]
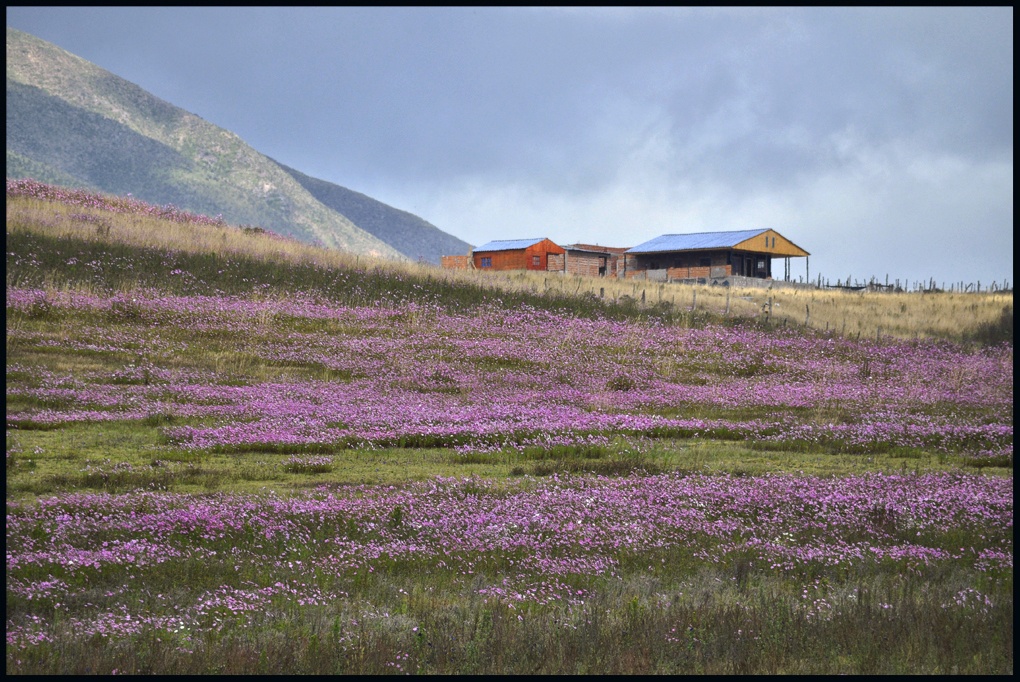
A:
[519,254]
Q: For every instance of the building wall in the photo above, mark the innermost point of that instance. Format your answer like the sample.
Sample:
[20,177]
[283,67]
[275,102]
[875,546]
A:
[616,265]
[678,259]
[656,275]
[614,268]
[554,262]
[700,272]
[586,264]
[538,254]
[773,243]
[455,262]
[500,260]
[676,274]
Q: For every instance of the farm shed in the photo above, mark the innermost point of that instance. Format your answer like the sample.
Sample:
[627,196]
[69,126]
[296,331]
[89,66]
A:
[519,254]
[711,255]
[592,260]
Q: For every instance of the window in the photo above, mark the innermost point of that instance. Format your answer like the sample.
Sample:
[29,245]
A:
[536,261]
[486,262]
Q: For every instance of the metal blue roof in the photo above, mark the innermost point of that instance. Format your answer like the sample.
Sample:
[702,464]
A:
[699,240]
[509,244]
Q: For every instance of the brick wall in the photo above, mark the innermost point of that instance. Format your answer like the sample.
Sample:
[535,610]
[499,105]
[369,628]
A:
[455,262]
[586,265]
[697,271]
[693,272]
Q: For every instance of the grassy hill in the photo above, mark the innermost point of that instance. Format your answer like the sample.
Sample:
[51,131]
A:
[71,123]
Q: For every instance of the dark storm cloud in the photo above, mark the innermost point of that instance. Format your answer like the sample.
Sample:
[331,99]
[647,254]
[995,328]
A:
[616,123]
[466,91]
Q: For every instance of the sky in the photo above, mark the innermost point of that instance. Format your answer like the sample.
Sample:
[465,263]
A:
[880,140]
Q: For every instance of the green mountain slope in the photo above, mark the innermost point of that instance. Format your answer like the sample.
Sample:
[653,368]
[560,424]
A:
[409,234]
[19,166]
[70,122]
[87,146]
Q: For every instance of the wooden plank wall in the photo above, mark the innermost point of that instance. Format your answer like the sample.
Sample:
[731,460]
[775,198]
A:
[520,259]
[542,249]
[773,243]
[501,260]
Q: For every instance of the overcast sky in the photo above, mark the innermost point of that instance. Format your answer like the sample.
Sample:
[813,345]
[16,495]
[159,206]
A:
[879,140]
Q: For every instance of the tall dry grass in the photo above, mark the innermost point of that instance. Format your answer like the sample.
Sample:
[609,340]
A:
[866,314]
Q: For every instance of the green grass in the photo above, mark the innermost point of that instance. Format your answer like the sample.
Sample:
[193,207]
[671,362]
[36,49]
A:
[670,615]
[87,456]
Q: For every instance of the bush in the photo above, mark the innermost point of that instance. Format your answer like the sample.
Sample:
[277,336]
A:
[999,331]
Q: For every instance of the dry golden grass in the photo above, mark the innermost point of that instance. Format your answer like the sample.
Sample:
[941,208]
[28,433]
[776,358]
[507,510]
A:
[871,314]
[865,314]
[143,231]
[902,315]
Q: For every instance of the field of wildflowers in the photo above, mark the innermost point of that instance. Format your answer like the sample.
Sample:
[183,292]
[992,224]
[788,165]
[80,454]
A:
[417,376]
[217,467]
[465,574]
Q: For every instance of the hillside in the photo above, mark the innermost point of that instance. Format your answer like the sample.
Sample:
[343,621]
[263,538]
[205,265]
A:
[71,123]
[409,234]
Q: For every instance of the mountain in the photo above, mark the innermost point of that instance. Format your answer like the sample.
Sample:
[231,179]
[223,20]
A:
[72,123]
[409,234]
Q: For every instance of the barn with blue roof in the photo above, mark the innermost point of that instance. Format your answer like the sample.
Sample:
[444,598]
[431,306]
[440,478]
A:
[711,255]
